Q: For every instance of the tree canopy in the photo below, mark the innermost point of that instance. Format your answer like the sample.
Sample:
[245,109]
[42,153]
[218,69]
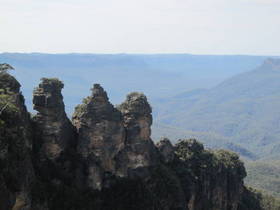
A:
[4,67]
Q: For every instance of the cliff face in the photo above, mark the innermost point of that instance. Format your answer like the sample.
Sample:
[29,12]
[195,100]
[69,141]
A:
[16,170]
[105,159]
[139,148]
[114,142]
[211,180]
[54,135]
[101,137]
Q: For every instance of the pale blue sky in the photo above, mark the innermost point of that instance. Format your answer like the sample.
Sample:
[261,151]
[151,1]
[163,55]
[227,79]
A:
[141,26]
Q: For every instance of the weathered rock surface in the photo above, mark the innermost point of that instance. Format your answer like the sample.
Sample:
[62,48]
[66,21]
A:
[55,136]
[101,136]
[139,148]
[107,160]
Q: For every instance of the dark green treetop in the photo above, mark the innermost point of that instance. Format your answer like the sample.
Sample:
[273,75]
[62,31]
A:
[4,67]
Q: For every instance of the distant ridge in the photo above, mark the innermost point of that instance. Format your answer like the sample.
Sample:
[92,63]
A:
[243,109]
[273,63]
[122,73]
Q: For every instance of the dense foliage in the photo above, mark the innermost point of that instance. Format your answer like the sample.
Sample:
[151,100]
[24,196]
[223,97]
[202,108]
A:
[264,175]
[4,67]
[258,200]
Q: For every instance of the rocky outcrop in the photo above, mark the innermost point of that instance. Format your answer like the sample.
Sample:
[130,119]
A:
[16,170]
[106,160]
[101,137]
[55,136]
[211,180]
[114,142]
[140,150]
[166,149]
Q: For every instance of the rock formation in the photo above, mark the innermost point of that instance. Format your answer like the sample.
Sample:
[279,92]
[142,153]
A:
[16,170]
[211,180]
[140,150]
[106,160]
[166,149]
[55,136]
[101,136]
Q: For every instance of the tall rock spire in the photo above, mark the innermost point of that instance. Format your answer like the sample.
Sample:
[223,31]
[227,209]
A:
[101,136]
[55,135]
[137,116]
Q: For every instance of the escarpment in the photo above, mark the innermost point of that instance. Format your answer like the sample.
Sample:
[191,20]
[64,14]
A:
[105,159]
[211,180]
[16,169]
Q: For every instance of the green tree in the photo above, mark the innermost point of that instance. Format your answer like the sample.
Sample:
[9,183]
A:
[5,99]
[4,67]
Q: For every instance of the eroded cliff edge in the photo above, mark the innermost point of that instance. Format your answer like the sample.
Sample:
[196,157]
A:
[104,158]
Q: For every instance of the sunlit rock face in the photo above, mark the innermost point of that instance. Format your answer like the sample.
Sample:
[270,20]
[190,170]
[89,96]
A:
[101,136]
[140,150]
[114,141]
[55,136]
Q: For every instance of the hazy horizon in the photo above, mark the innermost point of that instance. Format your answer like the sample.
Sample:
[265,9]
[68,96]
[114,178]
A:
[207,27]
[135,53]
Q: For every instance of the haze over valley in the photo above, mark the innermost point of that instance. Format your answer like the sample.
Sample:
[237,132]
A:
[227,102]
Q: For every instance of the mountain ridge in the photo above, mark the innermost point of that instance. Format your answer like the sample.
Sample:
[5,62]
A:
[124,73]
[230,107]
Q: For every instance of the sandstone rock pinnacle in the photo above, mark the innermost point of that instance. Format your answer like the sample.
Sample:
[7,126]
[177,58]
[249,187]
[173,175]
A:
[101,135]
[140,149]
[55,137]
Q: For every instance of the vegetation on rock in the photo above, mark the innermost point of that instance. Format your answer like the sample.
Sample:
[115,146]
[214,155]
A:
[4,68]
[107,160]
